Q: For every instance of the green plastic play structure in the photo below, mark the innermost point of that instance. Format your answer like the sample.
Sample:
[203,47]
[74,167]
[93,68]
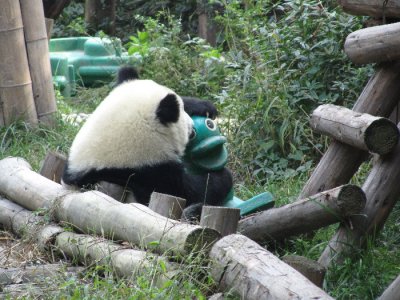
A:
[206,152]
[85,61]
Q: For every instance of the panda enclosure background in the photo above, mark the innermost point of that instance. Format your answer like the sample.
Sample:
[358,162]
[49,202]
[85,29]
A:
[273,62]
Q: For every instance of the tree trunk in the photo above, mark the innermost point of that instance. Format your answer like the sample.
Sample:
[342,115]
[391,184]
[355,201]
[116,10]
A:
[53,8]
[339,163]
[95,212]
[372,8]
[242,266]
[304,215]
[382,190]
[363,131]
[15,81]
[374,44]
[100,15]
[37,47]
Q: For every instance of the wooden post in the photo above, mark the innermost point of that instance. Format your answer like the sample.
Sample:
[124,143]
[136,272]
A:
[95,212]
[248,270]
[207,28]
[118,192]
[167,205]
[339,163]
[49,27]
[15,81]
[305,215]
[308,267]
[372,8]
[37,48]
[392,291]
[374,44]
[382,190]
[53,166]
[222,219]
[363,131]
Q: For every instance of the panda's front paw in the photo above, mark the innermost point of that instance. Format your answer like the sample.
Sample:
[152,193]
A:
[192,213]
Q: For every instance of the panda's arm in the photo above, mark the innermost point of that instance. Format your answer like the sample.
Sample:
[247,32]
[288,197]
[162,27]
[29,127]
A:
[197,107]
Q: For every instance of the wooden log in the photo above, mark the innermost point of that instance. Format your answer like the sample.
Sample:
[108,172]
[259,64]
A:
[37,273]
[95,212]
[340,161]
[37,47]
[372,8]
[223,219]
[15,81]
[167,205]
[311,269]
[305,215]
[363,131]
[124,262]
[53,166]
[242,266]
[82,248]
[374,44]
[382,189]
[393,291]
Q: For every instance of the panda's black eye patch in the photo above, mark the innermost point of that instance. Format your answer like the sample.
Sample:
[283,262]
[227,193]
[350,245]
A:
[168,110]
[210,124]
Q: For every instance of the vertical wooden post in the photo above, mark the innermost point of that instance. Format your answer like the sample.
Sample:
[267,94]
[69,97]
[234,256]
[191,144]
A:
[53,166]
[223,219]
[207,28]
[16,97]
[39,60]
[167,205]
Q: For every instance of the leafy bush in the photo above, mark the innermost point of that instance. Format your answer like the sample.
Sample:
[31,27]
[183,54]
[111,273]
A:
[279,60]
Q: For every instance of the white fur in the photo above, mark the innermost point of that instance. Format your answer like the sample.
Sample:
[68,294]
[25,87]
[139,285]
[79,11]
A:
[123,131]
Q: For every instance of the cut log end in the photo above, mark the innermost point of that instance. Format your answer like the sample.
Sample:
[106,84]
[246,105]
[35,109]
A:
[351,200]
[201,239]
[381,136]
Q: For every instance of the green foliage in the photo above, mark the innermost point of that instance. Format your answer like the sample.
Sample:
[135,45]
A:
[70,22]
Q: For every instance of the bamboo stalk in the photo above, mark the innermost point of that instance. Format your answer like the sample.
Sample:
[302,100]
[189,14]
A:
[305,215]
[39,59]
[15,81]
[95,212]
[245,268]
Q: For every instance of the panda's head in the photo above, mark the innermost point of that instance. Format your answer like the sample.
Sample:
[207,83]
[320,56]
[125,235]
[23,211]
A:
[140,123]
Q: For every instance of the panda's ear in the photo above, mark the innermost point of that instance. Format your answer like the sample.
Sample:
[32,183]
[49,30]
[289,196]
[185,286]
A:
[168,110]
[126,73]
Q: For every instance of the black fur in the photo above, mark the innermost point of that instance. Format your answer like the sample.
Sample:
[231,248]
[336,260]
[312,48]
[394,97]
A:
[127,73]
[168,178]
[197,107]
[168,110]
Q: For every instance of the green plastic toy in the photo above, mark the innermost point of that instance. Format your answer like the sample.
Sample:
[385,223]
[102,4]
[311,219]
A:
[85,61]
[206,152]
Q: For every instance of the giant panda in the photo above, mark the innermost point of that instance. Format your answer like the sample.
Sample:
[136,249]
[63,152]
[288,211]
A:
[136,138]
